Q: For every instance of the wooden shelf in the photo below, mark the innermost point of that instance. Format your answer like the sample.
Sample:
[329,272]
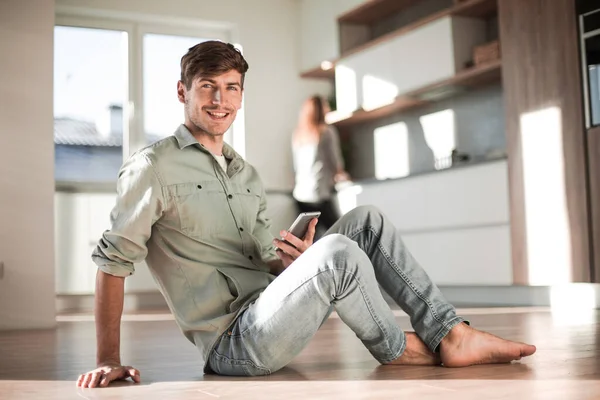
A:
[476,8]
[374,10]
[319,73]
[468,79]
[469,8]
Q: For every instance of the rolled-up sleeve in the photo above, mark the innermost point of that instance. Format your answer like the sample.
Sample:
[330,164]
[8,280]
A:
[140,203]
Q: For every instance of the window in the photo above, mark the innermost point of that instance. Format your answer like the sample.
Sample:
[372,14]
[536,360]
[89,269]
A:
[115,89]
[391,151]
[162,110]
[439,129]
[90,68]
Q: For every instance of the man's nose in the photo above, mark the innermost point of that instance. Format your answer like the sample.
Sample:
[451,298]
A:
[217,95]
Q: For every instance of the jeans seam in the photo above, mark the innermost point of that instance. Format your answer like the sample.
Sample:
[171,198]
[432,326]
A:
[398,271]
[397,355]
[375,319]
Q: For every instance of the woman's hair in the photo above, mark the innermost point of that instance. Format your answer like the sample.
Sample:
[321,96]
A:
[211,58]
[312,115]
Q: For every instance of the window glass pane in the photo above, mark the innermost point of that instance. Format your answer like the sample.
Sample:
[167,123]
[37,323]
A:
[90,70]
[391,151]
[163,112]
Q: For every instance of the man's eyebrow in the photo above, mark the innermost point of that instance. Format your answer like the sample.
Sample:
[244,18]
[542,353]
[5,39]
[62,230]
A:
[215,82]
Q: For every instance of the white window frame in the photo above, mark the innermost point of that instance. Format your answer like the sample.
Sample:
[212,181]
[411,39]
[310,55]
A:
[137,25]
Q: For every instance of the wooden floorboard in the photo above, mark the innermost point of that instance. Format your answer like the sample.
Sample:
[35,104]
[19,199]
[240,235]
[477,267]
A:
[45,364]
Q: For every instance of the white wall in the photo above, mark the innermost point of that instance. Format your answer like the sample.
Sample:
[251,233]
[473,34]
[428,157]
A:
[456,222]
[26,162]
[319,30]
[269,31]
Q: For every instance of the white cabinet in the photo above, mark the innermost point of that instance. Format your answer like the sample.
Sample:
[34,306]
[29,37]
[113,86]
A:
[81,218]
[456,222]
[375,76]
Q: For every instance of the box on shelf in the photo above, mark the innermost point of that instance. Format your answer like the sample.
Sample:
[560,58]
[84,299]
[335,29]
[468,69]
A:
[486,53]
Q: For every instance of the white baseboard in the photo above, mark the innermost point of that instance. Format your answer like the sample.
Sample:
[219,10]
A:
[132,302]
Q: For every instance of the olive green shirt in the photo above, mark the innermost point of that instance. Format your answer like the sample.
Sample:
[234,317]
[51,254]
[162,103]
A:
[204,233]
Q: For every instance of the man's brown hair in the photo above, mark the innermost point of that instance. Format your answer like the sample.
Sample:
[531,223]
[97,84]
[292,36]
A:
[211,58]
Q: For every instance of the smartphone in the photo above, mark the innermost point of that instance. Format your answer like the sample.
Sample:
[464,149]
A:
[300,225]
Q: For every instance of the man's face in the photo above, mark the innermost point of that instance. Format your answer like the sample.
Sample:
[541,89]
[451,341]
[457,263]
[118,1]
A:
[212,102]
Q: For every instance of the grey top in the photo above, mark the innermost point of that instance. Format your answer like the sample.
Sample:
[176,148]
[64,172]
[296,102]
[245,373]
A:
[204,233]
[315,167]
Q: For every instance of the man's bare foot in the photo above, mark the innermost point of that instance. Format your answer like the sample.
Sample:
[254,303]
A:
[416,353]
[465,346]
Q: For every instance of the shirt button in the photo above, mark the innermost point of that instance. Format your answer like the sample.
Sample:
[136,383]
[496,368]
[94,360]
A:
[230,196]
[250,257]
[241,229]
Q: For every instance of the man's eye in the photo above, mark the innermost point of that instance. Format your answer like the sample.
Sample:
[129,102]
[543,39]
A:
[234,88]
[207,86]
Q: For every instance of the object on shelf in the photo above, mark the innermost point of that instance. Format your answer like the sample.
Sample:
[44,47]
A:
[459,158]
[486,53]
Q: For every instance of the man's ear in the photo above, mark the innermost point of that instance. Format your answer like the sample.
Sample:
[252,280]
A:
[181,91]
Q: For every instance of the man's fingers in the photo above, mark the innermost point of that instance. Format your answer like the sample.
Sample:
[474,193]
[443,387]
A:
[287,248]
[135,374]
[287,260]
[86,379]
[310,234]
[95,379]
[104,381]
[293,240]
[103,376]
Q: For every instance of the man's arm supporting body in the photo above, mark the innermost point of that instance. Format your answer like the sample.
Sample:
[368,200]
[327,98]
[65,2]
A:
[139,205]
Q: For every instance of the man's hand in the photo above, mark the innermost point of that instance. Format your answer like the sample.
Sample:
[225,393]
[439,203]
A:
[292,247]
[102,376]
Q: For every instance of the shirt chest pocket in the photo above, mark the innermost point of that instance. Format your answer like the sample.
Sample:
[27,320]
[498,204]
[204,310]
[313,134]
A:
[249,198]
[203,208]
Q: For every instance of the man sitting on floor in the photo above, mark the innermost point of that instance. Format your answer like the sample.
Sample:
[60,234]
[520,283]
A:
[197,213]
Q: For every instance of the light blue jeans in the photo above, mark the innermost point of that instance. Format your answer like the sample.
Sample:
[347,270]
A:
[343,270]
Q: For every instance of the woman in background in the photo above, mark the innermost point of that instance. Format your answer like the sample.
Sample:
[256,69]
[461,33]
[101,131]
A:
[318,163]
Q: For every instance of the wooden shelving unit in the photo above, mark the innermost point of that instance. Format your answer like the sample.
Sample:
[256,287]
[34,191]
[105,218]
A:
[374,10]
[319,73]
[469,8]
[468,79]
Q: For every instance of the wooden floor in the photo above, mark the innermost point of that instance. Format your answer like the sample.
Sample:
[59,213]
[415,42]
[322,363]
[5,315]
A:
[45,364]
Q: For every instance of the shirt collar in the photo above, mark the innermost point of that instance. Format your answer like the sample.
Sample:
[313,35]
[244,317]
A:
[185,139]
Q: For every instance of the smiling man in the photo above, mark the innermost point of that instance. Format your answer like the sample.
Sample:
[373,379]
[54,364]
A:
[196,212]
